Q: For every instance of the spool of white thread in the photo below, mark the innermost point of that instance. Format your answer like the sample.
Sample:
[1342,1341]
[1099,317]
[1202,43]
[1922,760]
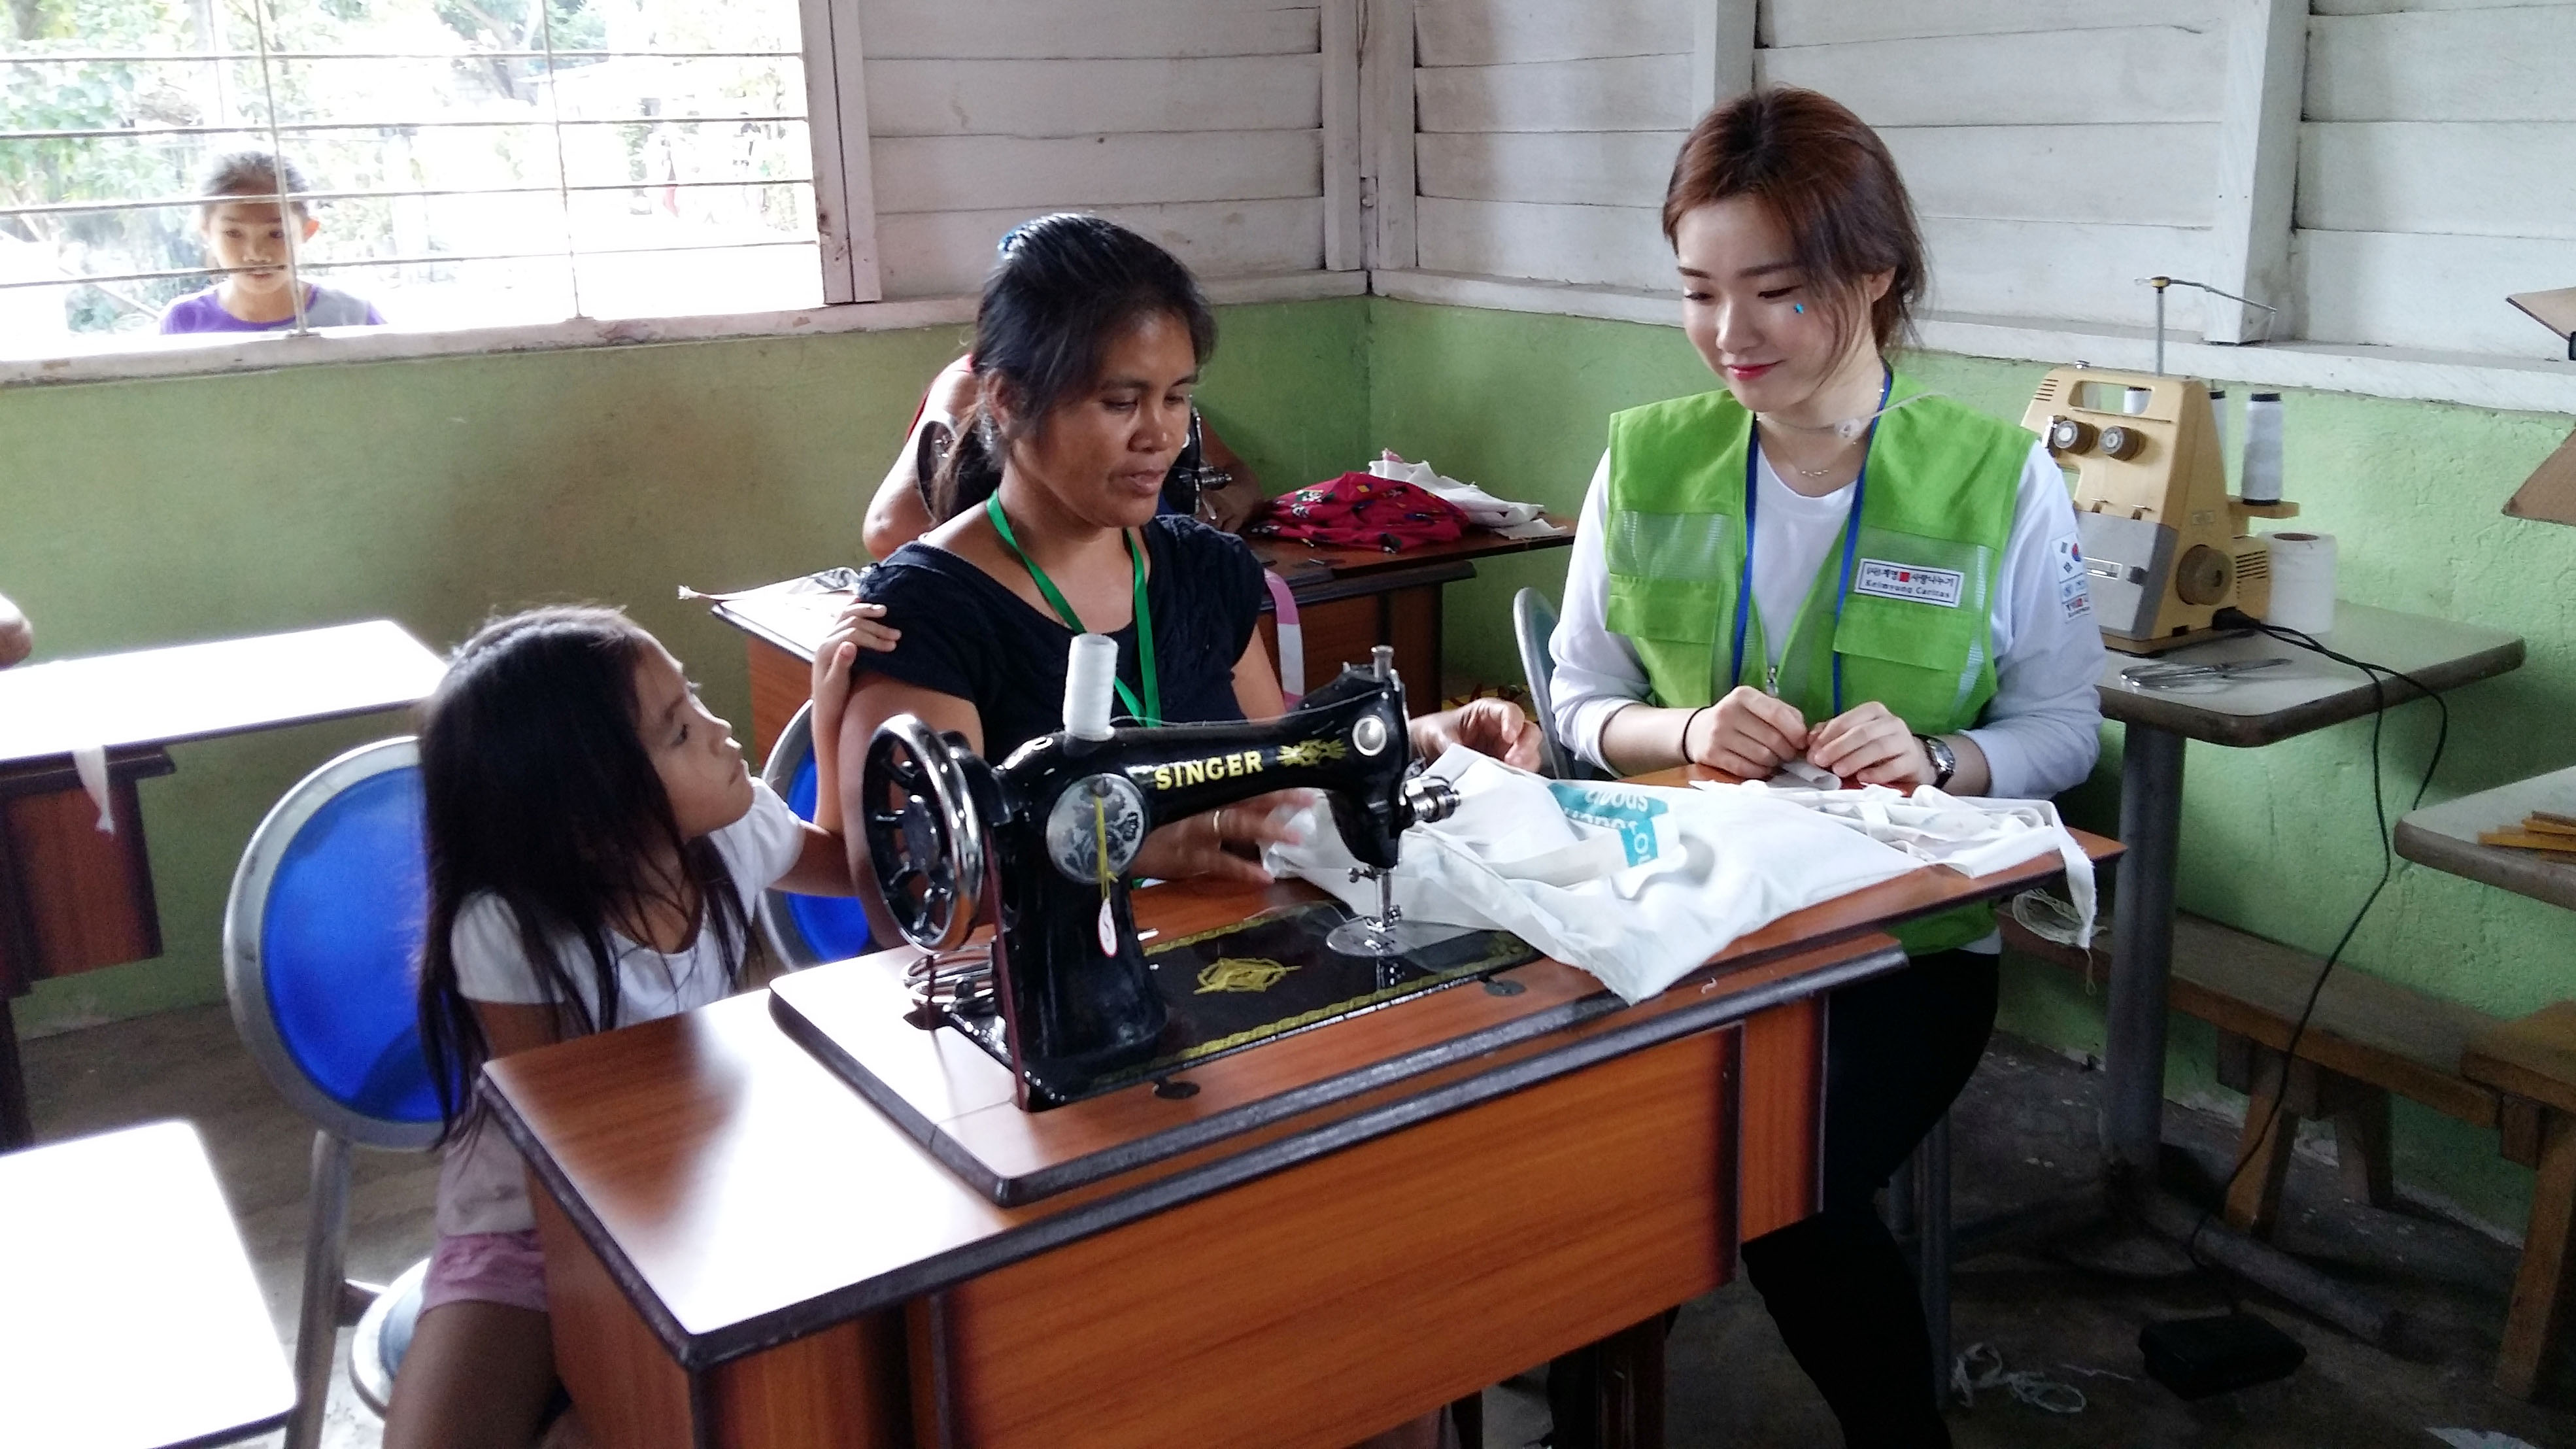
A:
[2260,480]
[2134,401]
[1090,683]
[2303,582]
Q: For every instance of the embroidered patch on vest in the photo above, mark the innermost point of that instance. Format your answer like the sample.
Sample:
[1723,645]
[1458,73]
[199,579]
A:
[1910,583]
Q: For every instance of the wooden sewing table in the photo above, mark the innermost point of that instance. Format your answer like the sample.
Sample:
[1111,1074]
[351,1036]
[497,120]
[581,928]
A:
[741,1251]
[1348,599]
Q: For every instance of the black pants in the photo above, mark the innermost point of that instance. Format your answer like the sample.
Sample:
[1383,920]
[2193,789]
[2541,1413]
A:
[1897,1052]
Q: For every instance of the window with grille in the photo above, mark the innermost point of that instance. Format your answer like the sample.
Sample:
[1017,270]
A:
[469,162]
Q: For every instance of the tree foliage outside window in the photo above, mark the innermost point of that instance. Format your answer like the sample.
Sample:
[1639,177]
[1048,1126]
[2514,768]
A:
[471,161]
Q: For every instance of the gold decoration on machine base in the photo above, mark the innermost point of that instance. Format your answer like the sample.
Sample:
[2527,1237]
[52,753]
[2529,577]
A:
[1241,973]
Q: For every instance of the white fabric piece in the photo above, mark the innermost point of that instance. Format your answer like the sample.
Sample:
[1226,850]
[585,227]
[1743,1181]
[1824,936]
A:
[2041,731]
[90,763]
[1482,508]
[1637,884]
[1973,836]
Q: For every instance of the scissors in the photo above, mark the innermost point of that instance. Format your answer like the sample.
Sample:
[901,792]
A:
[2167,676]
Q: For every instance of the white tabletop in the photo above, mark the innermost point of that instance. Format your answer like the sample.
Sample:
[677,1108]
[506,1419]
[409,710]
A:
[2307,691]
[2445,837]
[199,691]
[129,1318]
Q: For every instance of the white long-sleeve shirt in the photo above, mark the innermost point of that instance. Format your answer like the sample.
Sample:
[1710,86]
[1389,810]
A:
[2041,731]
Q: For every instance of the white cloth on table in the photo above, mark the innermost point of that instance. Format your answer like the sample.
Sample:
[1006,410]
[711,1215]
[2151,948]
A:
[1483,509]
[1974,836]
[1637,884]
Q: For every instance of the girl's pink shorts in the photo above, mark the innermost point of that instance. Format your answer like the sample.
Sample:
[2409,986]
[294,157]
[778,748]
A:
[486,1268]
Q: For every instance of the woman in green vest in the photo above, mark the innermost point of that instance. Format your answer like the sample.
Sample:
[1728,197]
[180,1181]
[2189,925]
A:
[1825,563]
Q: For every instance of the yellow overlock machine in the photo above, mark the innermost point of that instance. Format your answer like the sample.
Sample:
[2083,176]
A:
[2165,545]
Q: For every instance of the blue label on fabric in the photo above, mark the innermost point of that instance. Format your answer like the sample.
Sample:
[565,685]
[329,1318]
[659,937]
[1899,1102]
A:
[1633,816]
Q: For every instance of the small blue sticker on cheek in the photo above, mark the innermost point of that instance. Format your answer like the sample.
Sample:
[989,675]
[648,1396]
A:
[1798,307]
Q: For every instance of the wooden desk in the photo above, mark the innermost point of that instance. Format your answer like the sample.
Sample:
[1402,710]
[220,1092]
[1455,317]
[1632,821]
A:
[73,898]
[2308,693]
[129,1318]
[1348,600]
[741,1251]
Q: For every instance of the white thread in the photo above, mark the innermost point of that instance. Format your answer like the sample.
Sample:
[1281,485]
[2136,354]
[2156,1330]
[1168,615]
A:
[2303,582]
[1090,682]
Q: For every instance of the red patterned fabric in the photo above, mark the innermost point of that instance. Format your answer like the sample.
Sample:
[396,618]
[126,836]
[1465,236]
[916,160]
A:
[1359,511]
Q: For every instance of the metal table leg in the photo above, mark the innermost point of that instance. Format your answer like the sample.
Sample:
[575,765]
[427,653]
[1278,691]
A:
[2142,951]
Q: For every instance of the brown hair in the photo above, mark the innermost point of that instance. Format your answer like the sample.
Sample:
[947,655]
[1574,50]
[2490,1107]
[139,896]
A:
[1829,180]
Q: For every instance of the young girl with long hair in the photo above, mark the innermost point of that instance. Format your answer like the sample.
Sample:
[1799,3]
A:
[595,842]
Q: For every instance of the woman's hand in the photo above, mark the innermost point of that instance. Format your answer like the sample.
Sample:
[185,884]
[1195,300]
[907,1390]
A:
[1493,727]
[1872,746]
[1747,733]
[1197,847]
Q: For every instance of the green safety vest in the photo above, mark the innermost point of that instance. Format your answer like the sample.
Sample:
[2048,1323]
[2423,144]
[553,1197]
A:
[1915,630]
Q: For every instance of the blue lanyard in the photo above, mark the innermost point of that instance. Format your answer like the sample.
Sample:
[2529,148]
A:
[1851,545]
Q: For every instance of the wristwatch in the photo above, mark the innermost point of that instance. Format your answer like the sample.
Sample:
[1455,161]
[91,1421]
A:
[1945,761]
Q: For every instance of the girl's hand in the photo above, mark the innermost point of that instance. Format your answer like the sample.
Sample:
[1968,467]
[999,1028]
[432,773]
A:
[1493,727]
[1747,733]
[1196,847]
[860,626]
[1871,745]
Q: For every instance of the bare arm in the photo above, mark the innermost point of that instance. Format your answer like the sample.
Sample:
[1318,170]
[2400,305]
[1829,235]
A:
[897,516]
[510,1028]
[17,636]
[1230,506]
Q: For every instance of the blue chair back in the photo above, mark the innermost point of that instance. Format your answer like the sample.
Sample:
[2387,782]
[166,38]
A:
[322,942]
[806,930]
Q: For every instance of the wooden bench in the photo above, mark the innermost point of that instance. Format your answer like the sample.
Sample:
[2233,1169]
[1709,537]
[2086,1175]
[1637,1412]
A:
[2531,1064]
[2367,1038]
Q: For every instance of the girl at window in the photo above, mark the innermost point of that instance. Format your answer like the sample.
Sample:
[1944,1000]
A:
[595,843]
[245,231]
[1824,562]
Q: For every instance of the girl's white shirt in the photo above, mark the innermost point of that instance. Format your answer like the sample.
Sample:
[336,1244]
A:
[2042,730]
[483,1183]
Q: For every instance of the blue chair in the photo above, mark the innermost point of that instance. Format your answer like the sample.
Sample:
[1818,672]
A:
[322,935]
[806,930]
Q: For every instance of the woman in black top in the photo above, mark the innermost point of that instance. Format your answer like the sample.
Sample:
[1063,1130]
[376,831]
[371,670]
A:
[1088,343]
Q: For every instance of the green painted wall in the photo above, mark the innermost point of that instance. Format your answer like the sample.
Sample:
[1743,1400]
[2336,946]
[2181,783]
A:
[142,513]
[434,492]
[2277,841]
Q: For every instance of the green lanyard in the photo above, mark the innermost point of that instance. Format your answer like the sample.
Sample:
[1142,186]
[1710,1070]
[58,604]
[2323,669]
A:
[1151,711]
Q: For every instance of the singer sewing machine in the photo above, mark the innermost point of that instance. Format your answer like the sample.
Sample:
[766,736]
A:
[1068,998]
[2165,545]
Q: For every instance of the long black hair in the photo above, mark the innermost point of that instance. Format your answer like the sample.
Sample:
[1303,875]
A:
[539,793]
[1062,289]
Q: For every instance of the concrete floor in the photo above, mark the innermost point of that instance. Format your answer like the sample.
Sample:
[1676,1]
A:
[2025,1127]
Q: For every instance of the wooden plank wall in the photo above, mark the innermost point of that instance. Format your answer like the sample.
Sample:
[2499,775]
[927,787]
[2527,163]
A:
[1202,123]
[2437,171]
[2056,153]
[1545,133]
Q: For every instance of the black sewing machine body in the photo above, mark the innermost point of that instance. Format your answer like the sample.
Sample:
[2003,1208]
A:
[1057,825]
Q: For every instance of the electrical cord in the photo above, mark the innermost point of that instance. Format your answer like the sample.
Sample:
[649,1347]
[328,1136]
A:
[2379,704]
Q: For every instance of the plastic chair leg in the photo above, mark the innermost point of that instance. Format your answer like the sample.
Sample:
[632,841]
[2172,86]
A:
[317,1324]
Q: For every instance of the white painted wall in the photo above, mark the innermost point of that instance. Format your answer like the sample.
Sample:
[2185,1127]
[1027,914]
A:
[2437,172]
[1202,123]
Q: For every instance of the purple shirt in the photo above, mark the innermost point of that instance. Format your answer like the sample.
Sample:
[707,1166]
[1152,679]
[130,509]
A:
[323,307]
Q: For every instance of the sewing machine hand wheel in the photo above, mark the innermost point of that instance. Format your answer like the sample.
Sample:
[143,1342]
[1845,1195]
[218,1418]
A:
[925,837]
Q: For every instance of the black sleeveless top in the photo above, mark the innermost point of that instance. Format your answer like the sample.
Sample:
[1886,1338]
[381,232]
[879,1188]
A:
[967,635]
